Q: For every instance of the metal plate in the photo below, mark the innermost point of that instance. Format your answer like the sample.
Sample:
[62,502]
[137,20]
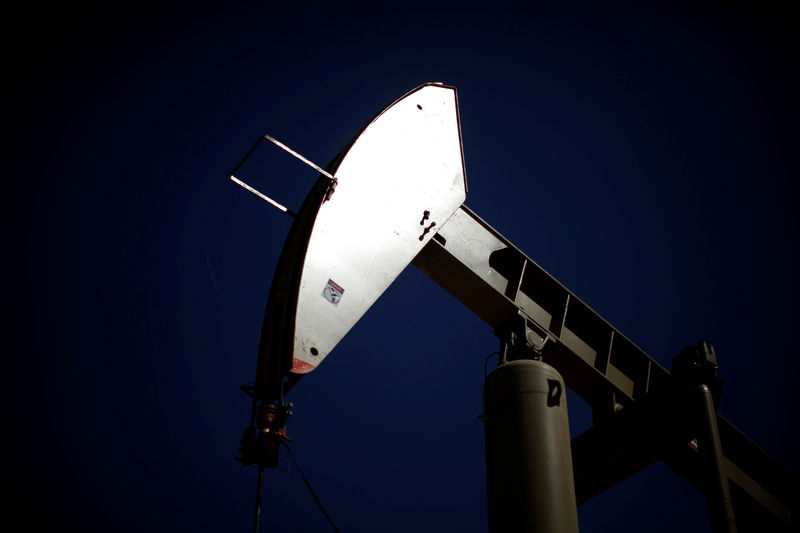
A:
[399,182]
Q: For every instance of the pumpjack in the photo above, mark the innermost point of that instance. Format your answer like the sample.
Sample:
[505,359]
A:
[394,196]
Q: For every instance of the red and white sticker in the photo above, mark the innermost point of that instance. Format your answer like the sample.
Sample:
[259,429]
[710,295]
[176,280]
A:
[333,292]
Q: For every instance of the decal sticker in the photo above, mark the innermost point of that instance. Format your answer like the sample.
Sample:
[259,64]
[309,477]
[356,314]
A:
[332,292]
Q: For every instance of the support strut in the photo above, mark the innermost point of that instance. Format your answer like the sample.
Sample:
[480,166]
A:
[718,494]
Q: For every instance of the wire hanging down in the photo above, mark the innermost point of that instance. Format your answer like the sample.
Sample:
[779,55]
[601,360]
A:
[314,494]
[486,363]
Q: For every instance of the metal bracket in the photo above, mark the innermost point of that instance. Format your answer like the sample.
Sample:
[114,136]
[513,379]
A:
[695,366]
[523,338]
[261,440]
[333,180]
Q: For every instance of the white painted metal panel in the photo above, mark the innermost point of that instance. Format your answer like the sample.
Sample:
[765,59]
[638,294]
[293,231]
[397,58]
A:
[401,180]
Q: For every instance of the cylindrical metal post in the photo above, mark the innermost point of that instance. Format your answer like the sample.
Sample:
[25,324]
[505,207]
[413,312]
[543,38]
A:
[528,460]
[259,497]
[718,494]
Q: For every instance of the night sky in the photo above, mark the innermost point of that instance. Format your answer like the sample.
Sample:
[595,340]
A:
[645,157]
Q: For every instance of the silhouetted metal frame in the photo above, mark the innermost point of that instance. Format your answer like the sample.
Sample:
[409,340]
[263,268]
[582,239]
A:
[641,416]
[641,413]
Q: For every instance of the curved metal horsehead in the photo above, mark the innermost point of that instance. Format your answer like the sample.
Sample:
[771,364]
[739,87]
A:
[348,245]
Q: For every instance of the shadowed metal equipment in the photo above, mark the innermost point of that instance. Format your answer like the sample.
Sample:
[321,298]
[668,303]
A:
[404,172]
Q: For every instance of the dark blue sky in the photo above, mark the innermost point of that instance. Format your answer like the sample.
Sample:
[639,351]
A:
[646,157]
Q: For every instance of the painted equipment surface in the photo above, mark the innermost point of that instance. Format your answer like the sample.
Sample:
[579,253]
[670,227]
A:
[394,197]
[389,191]
[528,462]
